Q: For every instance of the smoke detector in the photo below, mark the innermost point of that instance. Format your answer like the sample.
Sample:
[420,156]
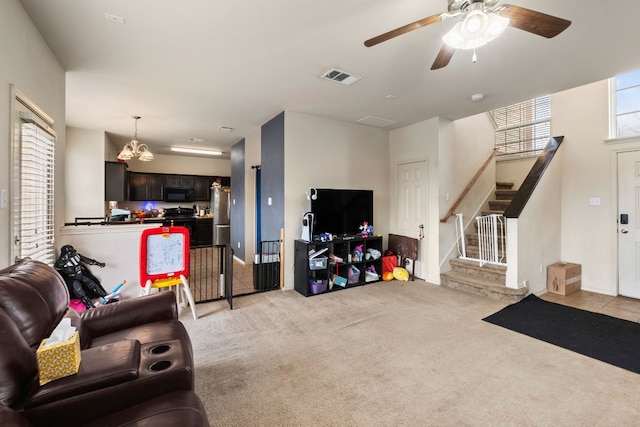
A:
[340,76]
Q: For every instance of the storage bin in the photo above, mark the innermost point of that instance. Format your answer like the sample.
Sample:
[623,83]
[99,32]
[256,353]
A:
[354,275]
[317,286]
[318,263]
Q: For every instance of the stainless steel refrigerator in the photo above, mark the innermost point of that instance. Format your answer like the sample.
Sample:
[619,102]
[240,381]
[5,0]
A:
[221,213]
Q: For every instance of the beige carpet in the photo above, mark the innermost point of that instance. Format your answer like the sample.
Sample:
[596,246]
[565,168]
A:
[393,354]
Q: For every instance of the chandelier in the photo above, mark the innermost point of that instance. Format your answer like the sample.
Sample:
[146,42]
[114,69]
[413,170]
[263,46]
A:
[133,148]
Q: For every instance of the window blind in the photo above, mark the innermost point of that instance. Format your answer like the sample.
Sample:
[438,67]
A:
[522,129]
[33,204]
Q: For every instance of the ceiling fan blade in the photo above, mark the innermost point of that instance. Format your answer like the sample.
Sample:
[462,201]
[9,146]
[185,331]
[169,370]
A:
[534,22]
[404,29]
[443,58]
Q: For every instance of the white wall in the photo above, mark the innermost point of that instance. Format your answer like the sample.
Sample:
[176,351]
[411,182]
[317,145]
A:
[28,63]
[589,233]
[514,170]
[84,178]
[325,153]
[252,152]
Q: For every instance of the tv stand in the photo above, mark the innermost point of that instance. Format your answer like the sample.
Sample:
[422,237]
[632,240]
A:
[316,275]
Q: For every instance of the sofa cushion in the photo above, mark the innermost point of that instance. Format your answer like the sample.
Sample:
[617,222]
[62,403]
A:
[35,297]
[180,408]
[18,364]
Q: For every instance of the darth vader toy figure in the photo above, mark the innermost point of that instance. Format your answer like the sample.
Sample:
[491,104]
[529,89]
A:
[81,283]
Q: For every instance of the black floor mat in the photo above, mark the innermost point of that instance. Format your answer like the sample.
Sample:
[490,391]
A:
[609,339]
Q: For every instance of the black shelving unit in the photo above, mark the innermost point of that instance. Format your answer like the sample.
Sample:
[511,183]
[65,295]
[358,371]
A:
[312,276]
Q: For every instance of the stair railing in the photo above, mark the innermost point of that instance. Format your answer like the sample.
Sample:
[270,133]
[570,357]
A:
[468,187]
[462,248]
[490,239]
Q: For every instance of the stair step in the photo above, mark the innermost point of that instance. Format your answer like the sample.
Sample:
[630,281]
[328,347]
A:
[504,185]
[482,287]
[491,272]
[505,194]
[492,212]
[499,204]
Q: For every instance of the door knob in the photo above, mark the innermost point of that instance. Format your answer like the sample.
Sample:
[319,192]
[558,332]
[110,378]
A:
[624,231]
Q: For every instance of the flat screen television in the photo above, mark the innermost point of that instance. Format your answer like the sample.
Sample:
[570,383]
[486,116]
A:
[341,212]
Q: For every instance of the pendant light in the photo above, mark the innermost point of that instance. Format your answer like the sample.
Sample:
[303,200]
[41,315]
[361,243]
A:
[134,148]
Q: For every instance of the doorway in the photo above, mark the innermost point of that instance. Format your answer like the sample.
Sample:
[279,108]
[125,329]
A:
[629,224]
[412,199]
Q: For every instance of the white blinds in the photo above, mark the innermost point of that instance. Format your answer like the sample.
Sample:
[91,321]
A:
[522,129]
[34,194]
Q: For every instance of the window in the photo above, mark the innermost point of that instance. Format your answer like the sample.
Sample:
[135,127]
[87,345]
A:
[522,129]
[33,173]
[626,105]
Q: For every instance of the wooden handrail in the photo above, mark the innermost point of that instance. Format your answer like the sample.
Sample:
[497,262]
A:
[468,187]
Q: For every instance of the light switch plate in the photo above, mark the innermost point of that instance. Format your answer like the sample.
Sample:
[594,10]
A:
[4,199]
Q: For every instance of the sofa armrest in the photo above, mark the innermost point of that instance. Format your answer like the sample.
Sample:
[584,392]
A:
[100,367]
[109,318]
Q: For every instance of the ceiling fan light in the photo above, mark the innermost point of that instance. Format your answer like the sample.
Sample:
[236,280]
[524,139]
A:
[454,37]
[497,24]
[476,22]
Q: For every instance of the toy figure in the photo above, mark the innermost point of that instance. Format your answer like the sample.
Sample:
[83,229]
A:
[366,229]
[81,283]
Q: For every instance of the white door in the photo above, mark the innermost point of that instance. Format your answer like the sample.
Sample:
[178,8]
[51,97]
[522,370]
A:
[629,233]
[412,205]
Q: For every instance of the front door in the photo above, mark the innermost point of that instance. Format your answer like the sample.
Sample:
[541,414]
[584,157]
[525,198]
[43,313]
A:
[629,224]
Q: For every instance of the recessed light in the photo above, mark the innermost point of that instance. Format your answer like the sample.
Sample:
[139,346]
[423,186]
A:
[196,151]
[477,97]
[226,129]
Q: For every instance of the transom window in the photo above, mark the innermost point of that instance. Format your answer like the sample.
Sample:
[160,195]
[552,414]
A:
[522,129]
[626,105]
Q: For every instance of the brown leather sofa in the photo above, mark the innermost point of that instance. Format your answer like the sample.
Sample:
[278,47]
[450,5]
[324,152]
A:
[136,360]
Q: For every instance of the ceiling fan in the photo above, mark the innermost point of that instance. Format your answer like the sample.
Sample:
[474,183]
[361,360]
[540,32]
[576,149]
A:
[480,22]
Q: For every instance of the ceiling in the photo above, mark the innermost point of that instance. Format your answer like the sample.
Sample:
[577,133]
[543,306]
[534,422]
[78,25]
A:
[190,67]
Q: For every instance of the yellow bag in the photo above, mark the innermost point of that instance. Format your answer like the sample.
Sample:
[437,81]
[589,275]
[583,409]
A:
[401,273]
[58,360]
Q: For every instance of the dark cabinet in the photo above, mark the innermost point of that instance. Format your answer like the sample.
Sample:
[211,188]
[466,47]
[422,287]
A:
[115,181]
[179,181]
[338,264]
[202,232]
[203,187]
[146,186]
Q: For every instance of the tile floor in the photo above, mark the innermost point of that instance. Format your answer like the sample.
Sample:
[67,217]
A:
[620,307]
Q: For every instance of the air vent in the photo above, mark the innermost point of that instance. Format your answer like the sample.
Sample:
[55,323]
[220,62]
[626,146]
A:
[376,121]
[340,76]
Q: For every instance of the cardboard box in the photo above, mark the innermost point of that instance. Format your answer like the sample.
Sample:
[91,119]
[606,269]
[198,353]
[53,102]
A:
[58,360]
[564,278]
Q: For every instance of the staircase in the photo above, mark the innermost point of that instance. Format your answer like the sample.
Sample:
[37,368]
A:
[487,280]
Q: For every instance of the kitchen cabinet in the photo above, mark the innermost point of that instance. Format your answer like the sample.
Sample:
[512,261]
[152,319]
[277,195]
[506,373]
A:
[203,187]
[202,232]
[146,186]
[115,181]
[179,181]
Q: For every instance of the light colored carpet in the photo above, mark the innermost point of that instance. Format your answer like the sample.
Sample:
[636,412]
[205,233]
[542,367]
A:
[393,354]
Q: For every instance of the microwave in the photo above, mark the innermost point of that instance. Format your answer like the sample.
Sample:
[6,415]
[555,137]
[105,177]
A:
[178,195]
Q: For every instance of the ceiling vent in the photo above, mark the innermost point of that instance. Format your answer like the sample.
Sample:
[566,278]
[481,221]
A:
[376,121]
[340,76]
